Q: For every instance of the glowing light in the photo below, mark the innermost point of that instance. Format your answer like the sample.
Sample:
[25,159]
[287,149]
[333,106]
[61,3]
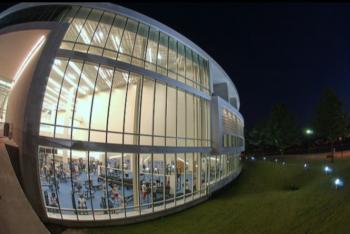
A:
[83,76]
[309,131]
[338,183]
[125,77]
[264,158]
[56,69]
[327,169]
[276,160]
[305,165]
[150,54]
[252,158]
[8,84]
[83,33]
[283,163]
[57,62]
[28,58]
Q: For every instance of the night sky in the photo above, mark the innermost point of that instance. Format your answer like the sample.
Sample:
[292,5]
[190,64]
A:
[274,53]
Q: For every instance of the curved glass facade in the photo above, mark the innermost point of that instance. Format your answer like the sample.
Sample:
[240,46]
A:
[87,185]
[129,124]
[91,102]
[121,38]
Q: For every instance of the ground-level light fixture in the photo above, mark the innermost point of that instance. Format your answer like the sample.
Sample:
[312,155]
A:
[264,158]
[338,183]
[306,165]
[327,169]
[283,163]
[276,160]
[252,158]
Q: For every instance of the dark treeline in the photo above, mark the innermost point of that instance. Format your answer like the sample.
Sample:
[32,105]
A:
[280,134]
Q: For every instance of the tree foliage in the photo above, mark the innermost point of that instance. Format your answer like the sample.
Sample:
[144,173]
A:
[330,121]
[282,131]
[256,137]
[279,131]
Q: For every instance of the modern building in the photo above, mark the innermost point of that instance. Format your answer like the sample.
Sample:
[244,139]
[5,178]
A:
[117,117]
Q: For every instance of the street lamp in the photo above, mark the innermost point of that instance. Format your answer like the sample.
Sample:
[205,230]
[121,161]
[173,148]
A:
[309,131]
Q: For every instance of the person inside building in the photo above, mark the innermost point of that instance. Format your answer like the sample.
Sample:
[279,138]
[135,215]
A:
[82,203]
[115,194]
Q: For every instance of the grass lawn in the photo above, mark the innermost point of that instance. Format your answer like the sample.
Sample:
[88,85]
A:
[266,198]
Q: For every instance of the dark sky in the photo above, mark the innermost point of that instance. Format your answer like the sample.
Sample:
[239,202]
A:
[274,53]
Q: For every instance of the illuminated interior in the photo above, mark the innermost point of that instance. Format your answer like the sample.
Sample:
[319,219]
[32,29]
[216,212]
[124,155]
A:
[19,53]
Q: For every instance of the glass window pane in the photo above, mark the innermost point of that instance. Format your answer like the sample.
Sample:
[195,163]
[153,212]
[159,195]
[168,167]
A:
[204,167]
[152,49]
[77,24]
[68,172]
[116,196]
[158,180]
[180,177]
[189,70]
[181,62]
[159,114]
[196,173]
[132,105]
[162,57]
[131,187]
[181,118]
[140,45]
[172,59]
[49,180]
[83,102]
[170,185]
[127,43]
[100,36]
[81,184]
[66,102]
[145,175]
[114,38]
[147,111]
[171,117]
[88,29]
[190,123]
[117,105]
[101,102]
[97,171]
[189,176]
[68,18]
[53,88]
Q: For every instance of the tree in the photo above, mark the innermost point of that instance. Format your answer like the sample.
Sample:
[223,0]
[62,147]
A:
[330,120]
[282,131]
[256,137]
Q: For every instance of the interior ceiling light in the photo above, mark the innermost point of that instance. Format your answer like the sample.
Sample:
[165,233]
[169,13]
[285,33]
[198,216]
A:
[28,58]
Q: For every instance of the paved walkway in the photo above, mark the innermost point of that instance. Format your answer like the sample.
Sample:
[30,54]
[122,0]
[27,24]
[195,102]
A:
[16,214]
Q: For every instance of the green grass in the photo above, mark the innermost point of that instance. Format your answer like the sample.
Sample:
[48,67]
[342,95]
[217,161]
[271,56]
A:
[266,198]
